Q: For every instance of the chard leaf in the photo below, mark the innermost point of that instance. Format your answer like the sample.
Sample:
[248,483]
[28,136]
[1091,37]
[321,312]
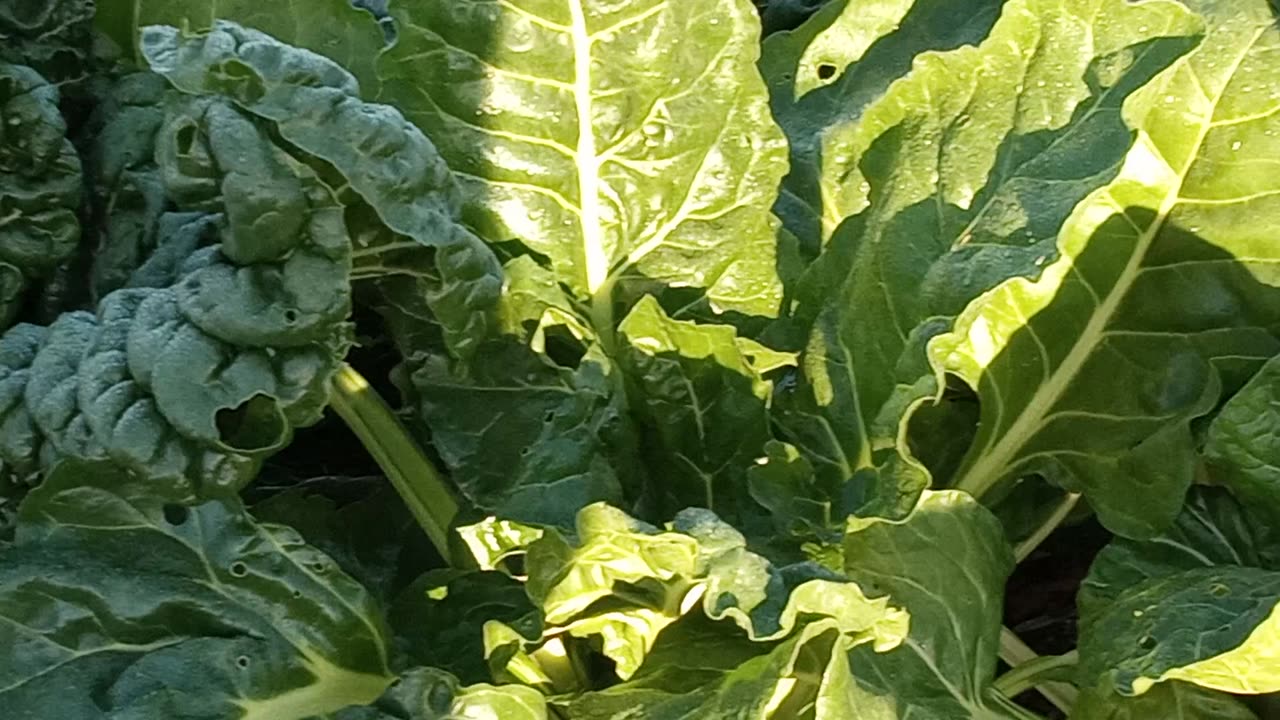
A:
[430,694]
[439,620]
[1212,530]
[51,36]
[957,177]
[625,584]
[1168,701]
[336,29]
[823,74]
[203,376]
[628,143]
[946,564]
[1243,449]
[40,183]
[374,539]
[125,599]
[127,192]
[1090,373]
[314,104]
[701,390]
[1196,604]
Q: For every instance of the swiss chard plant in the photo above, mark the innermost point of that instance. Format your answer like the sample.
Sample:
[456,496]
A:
[604,359]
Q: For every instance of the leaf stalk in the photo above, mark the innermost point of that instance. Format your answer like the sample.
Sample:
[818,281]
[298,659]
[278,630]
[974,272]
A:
[420,484]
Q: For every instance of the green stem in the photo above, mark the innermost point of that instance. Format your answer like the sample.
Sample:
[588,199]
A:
[1051,523]
[1018,654]
[1028,675]
[422,487]
[602,316]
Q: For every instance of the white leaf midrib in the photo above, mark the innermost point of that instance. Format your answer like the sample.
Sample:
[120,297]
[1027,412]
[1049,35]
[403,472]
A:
[595,259]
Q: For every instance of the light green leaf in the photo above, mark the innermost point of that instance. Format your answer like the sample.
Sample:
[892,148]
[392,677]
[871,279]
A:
[823,74]
[1168,701]
[623,584]
[958,177]
[336,29]
[124,599]
[629,143]
[946,564]
[1090,373]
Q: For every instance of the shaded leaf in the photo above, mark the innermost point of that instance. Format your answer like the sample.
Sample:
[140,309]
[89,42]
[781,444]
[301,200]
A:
[1091,373]
[223,618]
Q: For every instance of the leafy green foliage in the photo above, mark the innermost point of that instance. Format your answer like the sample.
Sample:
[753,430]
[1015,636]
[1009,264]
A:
[225,618]
[757,342]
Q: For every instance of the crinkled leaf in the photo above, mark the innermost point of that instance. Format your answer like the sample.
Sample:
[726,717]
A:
[204,375]
[946,564]
[40,183]
[1161,297]
[315,105]
[822,76]
[629,143]
[127,193]
[123,599]
[334,28]
[624,583]
[51,36]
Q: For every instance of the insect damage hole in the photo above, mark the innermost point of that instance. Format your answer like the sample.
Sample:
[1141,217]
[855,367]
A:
[826,71]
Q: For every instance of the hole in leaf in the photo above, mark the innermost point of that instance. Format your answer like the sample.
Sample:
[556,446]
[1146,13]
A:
[242,662]
[290,316]
[175,514]
[563,348]
[254,425]
[186,138]
[826,71]
[524,451]
[549,416]
[239,569]
[1146,642]
[318,567]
